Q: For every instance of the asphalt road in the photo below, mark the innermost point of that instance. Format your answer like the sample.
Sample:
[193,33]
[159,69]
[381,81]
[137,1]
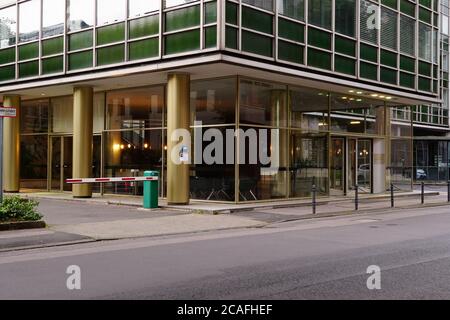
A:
[313,259]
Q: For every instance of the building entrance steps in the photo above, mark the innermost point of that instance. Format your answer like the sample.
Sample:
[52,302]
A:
[297,207]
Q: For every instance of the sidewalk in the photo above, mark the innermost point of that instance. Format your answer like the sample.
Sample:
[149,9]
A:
[107,218]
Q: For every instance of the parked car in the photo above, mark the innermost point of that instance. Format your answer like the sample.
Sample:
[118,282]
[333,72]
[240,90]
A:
[421,174]
[364,173]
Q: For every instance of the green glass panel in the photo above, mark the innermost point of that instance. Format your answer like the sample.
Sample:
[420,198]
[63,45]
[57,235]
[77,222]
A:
[143,49]
[29,51]
[290,52]
[407,80]
[52,46]
[407,64]
[231,37]
[388,76]
[345,46]
[257,20]
[80,40]
[29,69]
[110,55]
[319,59]
[256,43]
[408,8]
[344,65]
[368,53]
[426,3]
[231,13]
[424,84]
[425,68]
[7,55]
[368,71]
[425,15]
[210,37]
[319,38]
[290,30]
[388,58]
[182,42]
[183,18]
[390,3]
[52,65]
[210,12]
[80,60]
[143,27]
[7,73]
[111,34]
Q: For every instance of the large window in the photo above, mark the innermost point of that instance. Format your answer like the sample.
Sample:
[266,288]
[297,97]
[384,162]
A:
[33,161]
[34,116]
[292,8]
[108,13]
[214,101]
[408,35]
[264,4]
[425,42]
[81,14]
[29,20]
[345,17]
[319,13]
[53,13]
[135,108]
[389,28]
[141,7]
[8,25]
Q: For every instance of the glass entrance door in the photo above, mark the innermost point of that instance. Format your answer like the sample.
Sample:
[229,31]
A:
[359,164]
[337,166]
[61,163]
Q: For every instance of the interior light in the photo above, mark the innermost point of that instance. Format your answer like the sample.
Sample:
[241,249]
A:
[388,98]
[355,122]
[116,147]
[359,92]
[374,95]
[122,147]
[145,145]
[351,91]
[129,146]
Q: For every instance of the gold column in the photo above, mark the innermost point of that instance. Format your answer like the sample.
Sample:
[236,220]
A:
[178,116]
[11,146]
[83,99]
[279,115]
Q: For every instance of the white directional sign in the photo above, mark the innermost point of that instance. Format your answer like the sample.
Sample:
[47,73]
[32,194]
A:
[8,112]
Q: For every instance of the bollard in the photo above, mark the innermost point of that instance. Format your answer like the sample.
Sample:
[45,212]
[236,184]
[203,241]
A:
[151,190]
[314,199]
[422,193]
[356,197]
[392,195]
[448,191]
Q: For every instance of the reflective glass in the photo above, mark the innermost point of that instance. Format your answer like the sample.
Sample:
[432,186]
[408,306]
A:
[81,14]
[53,17]
[141,7]
[29,20]
[108,13]
[135,108]
[8,25]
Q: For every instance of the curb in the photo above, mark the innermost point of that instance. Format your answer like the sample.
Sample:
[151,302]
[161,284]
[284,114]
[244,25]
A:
[22,225]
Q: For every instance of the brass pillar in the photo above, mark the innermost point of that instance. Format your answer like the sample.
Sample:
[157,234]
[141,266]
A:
[178,117]
[11,146]
[279,119]
[82,139]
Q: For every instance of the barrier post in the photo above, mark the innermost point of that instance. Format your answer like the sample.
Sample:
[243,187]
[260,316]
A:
[392,195]
[356,197]
[448,191]
[422,193]
[151,190]
[314,203]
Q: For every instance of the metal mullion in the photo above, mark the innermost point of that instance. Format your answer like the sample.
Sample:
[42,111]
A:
[126,31]
[240,26]
[202,20]
[275,40]
[161,26]
[306,15]
[358,38]
[333,34]
[17,41]
[65,38]
[94,36]
[41,12]
[221,9]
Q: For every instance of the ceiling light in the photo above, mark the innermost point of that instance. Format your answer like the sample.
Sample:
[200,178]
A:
[374,95]
[355,122]
[359,92]
[388,98]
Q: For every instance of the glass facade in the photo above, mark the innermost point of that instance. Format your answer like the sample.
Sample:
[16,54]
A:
[279,140]
[55,37]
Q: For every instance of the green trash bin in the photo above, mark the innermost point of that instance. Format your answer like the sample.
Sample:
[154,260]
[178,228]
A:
[151,190]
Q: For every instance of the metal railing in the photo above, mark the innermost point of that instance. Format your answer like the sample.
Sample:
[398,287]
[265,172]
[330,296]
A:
[392,188]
